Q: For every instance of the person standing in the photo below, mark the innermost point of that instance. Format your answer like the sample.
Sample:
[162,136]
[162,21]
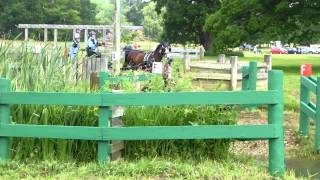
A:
[92,45]
[73,51]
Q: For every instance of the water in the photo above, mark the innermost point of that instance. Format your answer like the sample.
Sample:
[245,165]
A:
[304,167]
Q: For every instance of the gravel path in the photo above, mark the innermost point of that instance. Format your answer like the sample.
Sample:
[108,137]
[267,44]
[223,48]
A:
[260,148]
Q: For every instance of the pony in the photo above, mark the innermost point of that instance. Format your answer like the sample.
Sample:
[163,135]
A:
[136,59]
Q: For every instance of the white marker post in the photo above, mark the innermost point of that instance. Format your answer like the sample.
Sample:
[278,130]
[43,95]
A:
[157,67]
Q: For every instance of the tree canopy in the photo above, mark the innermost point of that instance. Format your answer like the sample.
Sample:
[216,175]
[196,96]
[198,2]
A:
[45,11]
[184,20]
[262,21]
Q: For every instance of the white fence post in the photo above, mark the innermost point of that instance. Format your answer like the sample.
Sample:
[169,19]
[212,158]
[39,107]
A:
[234,72]
[221,58]
[268,61]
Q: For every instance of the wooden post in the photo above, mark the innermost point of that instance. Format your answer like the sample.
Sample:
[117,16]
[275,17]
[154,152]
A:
[45,37]
[276,118]
[201,52]
[55,38]
[26,34]
[104,147]
[4,120]
[234,72]
[104,34]
[86,36]
[268,61]
[304,119]
[117,39]
[73,33]
[187,63]
[221,58]
[317,119]
[117,26]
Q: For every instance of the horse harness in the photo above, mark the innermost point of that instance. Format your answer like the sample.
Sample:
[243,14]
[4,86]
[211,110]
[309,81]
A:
[148,60]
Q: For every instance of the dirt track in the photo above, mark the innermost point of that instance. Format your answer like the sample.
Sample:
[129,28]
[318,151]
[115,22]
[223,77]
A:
[260,148]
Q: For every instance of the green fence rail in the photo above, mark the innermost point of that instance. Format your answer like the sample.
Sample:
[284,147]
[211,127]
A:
[309,110]
[104,76]
[273,131]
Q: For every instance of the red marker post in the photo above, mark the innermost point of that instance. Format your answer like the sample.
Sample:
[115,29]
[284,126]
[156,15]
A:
[306,69]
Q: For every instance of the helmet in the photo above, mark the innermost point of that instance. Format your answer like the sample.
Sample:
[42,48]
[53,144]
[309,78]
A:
[76,35]
[92,33]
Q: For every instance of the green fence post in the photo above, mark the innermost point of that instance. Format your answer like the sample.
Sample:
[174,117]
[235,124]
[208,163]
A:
[4,119]
[249,80]
[245,78]
[104,147]
[276,117]
[317,138]
[252,82]
[304,119]
[103,76]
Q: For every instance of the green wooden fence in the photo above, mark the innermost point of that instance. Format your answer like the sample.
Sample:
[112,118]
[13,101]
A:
[309,110]
[249,77]
[273,131]
[118,79]
[249,80]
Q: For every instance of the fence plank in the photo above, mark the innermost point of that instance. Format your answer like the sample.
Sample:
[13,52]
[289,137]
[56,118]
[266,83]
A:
[309,83]
[192,98]
[309,110]
[142,133]
[80,99]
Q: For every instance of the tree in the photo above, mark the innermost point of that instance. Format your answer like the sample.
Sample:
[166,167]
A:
[40,11]
[184,20]
[88,12]
[152,22]
[134,14]
[261,21]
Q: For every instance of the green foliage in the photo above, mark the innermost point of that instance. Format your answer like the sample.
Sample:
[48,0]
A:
[45,72]
[256,21]
[105,14]
[175,116]
[234,53]
[152,22]
[184,20]
[16,12]
[134,14]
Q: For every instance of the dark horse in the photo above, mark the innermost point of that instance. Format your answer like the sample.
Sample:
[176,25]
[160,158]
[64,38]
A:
[135,59]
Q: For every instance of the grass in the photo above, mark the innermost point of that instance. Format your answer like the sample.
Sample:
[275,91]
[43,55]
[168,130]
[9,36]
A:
[157,168]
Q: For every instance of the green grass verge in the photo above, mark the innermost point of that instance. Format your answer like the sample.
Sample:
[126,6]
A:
[240,168]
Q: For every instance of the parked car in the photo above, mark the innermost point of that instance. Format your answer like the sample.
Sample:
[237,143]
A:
[278,50]
[308,50]
[291,50]
[315,50]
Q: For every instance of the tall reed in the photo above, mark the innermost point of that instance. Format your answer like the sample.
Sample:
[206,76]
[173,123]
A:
[46,71]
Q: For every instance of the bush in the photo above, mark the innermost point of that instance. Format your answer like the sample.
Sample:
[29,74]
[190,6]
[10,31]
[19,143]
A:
[178,116]
[234,53]
[213,52]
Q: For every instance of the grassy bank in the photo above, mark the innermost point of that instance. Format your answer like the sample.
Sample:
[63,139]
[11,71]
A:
[233,168]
